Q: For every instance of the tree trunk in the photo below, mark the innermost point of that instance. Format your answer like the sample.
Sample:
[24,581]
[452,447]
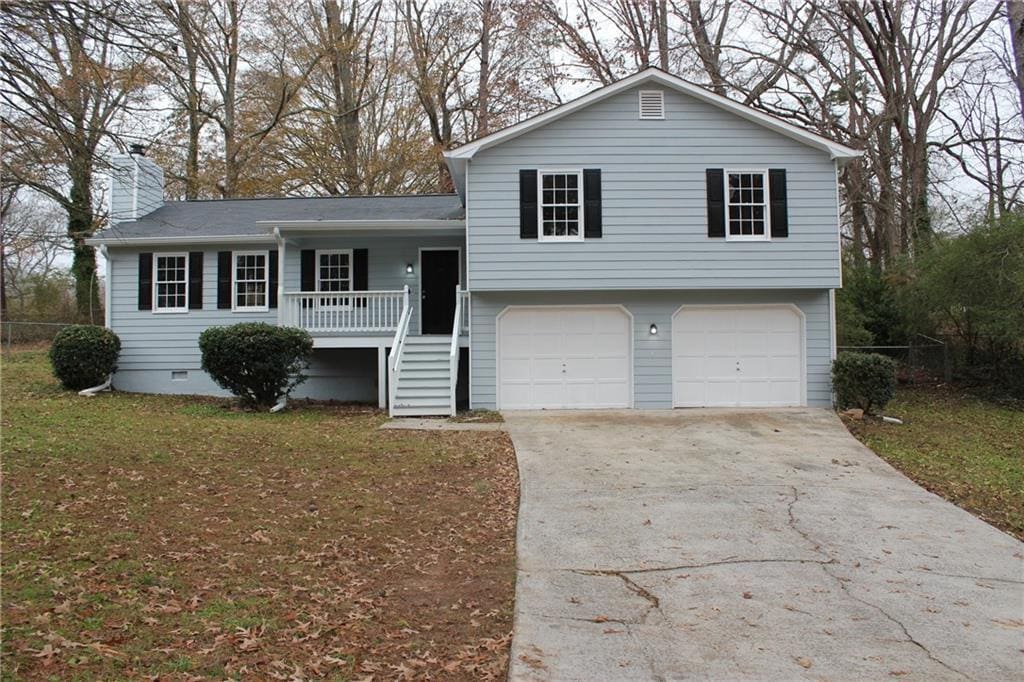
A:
[1015,13]
[80,227]
[484,83]
[661,16]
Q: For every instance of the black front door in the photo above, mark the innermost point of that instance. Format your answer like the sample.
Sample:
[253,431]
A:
[439,273]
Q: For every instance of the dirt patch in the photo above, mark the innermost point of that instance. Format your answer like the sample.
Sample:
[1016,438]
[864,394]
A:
[174,537]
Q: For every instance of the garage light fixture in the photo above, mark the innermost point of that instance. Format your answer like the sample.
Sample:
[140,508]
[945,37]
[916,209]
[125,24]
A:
[654,329]
[408,268]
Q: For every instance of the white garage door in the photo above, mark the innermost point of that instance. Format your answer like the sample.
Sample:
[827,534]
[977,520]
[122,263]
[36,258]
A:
[737,356]
[564,358]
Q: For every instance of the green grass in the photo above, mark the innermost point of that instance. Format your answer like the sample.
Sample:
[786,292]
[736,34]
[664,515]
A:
[174,536]
[961,447]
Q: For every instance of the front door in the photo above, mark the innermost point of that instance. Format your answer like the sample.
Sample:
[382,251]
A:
[439,275]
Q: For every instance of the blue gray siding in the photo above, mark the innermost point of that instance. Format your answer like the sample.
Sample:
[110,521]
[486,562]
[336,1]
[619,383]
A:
[136,187]
[156,344]
[652,355]
[654,204]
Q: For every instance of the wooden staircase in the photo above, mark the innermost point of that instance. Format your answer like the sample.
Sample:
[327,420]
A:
[424,380]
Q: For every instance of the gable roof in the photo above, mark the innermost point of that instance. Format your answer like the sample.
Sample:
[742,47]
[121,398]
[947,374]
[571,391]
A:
[458,157]
[227,220]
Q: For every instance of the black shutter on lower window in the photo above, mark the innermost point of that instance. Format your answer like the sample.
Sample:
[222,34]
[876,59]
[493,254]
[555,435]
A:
[592,203]
[145,281]
[272,279]
[527,204]
[195,280]
[223,280]
[777,198]
[715,181]
[307,270]
[360,274]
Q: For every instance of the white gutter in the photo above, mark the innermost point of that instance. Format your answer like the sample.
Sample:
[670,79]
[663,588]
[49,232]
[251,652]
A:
[316,225]
[194,239]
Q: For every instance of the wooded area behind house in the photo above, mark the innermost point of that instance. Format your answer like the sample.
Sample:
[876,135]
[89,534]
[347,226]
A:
[247,98]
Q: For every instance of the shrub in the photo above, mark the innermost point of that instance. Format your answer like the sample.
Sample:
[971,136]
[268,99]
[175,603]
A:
[259,363]
[84,356]
[864,380]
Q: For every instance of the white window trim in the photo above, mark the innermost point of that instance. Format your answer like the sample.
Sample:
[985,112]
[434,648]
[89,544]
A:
[156,299]
[235,308]
[351,280]
[767,236]
[578,172]
[640,105]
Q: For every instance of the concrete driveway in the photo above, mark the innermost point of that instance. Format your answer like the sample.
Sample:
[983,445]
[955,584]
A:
[734,545]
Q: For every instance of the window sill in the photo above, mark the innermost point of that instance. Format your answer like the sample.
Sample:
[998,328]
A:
[747,238]
[170,311]
[559,240]
[251,310]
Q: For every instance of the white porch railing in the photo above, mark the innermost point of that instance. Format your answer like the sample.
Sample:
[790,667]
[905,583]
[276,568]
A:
[396,349]
[463,316]
[349,311]
[453,356]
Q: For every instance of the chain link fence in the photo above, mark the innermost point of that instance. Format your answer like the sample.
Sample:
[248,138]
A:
[24,333]
[923,359]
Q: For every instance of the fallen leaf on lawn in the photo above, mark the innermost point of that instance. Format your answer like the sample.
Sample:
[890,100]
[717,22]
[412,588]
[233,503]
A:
[601,619]
[804,662]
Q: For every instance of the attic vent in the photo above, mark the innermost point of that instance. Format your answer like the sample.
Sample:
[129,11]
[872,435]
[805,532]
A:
[652,104]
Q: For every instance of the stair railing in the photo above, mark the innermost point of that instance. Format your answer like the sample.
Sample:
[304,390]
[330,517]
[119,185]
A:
[397,345]
[453,356]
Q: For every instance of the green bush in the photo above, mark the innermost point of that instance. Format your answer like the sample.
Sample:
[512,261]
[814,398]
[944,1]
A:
[84,356]
[259,363]
[864,380]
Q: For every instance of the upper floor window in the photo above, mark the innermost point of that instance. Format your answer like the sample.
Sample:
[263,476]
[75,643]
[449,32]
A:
[250,280]
[747,204]
[170,285]
[561,214]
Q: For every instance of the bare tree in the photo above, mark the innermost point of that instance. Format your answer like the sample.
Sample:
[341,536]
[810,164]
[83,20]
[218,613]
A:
[66,79]
[1015,15]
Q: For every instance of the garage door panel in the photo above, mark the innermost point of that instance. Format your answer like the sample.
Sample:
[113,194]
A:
[564,358]
[737,356]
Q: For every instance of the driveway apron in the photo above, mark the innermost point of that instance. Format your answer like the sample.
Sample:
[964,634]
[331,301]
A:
[747,545]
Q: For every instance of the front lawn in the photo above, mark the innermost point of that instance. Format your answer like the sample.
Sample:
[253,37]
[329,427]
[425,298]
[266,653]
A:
[172,537]
[965,449]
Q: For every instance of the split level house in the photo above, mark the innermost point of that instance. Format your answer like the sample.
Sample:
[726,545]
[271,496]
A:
[648,245]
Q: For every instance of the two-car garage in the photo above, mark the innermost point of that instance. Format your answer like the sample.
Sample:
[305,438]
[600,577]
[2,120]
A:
[582,357]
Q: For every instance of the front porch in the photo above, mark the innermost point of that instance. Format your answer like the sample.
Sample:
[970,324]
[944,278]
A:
[401,294]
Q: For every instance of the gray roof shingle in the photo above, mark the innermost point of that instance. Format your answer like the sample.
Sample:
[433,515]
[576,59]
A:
[237,217]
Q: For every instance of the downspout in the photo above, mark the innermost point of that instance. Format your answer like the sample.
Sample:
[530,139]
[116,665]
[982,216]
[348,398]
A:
[91,392]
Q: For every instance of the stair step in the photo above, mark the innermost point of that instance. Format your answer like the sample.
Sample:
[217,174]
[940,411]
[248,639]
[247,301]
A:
[423,382]
[422,412]
[421,401]
[426,350]
[439,393]
[441,340]
[424,364]
[422,371]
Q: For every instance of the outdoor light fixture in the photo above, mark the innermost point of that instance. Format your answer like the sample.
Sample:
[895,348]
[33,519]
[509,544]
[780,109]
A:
[408,268]
[654,329]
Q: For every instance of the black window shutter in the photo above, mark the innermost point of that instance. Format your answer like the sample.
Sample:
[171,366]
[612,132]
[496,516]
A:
[272,279]
[145,281]
[716,201]
[527,204]
[195,280]
[360,274]
[592,203]
[777,197]
[224,280]
[307,270]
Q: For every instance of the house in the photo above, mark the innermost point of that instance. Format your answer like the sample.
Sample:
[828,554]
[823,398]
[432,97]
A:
[648,245]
